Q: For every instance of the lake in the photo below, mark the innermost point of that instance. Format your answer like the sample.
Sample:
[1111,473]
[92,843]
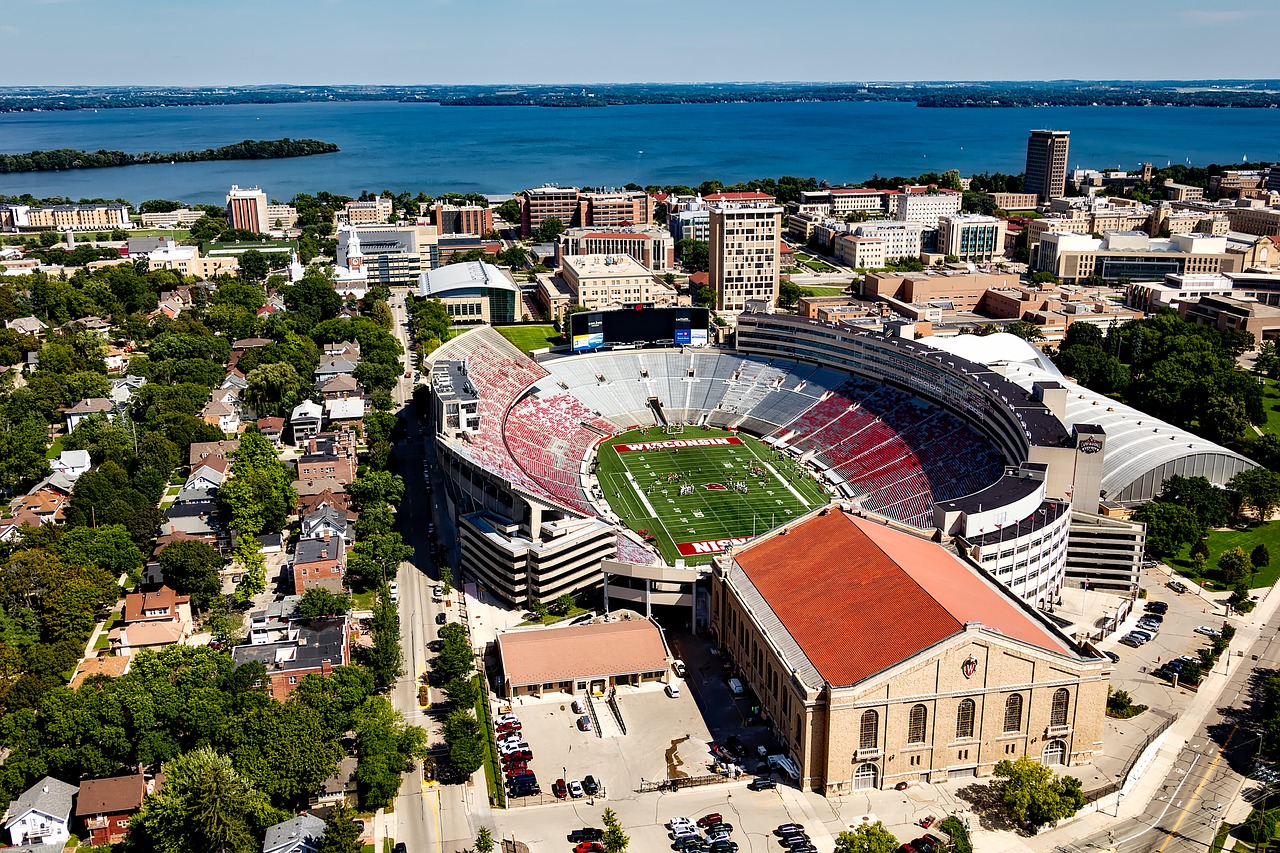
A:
[434,149]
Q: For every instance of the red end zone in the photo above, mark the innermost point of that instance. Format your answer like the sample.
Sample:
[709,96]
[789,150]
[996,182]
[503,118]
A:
[678,443]
[709,546]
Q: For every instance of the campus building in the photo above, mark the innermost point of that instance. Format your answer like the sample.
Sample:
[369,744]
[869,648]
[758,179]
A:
[391,255]
[1046,173]
[744,253]
[64,217]
[971,236]
[614,209]
[582,659]
[548,202]
[1132,255]
[472,292]
[247,209]
[880,657]
[651,246]
[462,219]
[611,281]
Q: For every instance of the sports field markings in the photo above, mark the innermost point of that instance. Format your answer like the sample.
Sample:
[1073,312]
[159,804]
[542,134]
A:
[764,464]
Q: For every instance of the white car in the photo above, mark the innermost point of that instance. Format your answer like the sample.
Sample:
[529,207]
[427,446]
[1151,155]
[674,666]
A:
[1208,632]
[575,789]
[717,836]
[503,719]
[684,831]
[677,822]
[394,589]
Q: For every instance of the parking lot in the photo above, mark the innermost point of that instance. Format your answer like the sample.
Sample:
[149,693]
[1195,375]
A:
[661,732]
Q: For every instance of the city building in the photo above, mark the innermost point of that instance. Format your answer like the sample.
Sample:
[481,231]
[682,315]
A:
[472,292]
[186,260]
[614,209]
[691,223]
[847,201]
[612,281]
[1253,216]
[582,660]
[462,219]
[291,648]
[901,239]
[280,216]
[391,255]
[1233,313]
[319,563]
[961,291]
[1105,552]
[973,676]
[971,236]
[375,211]
[64,217]
[1015,201]
[1182,192]
[1046,173]
[925,205]
[860,252]
[1150,296]
[181,218]
[651,246]
[247,209]
[548,202]
[744,256]
[1131,255]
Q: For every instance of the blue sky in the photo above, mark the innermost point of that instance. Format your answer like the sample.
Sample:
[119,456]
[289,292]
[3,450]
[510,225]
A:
[232,42]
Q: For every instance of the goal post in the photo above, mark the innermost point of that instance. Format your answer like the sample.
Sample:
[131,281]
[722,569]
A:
[673,429]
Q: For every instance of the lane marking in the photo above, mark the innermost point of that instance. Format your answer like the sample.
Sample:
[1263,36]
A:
[1203,781]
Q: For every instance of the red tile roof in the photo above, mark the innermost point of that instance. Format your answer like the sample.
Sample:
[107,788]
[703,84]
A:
[699,278]
[859,597]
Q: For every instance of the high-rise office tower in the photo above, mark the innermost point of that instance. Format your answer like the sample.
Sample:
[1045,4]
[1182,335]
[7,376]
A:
[1047,163]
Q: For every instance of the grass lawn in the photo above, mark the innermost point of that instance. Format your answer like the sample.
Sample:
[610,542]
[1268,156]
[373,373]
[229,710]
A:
[824,291]
[175,233]
[551,619]
[1271,402]
[56,449]
[530,338]
[643,486]
[812,263]
[364,600]
[1223,540]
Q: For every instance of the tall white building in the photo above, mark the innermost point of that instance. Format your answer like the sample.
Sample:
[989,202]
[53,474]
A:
[926,204]
[744,252]
[971,236]
[247,209]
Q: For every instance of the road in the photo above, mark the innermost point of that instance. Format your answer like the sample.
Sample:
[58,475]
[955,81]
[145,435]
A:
[1208,774]
[428,816]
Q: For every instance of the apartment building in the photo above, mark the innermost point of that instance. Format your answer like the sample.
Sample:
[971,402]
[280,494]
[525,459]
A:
[861,252]
[186,260]
[373,212]
[901,239]
[844,201]
[1046,173]
[462,219]
[64,217]
[180,218]
[548,202]
[971,236]
[393,255]
[652,246]
[247,209]
[744,252]
[1132,255]
[925,205]
[611,281]
[281,216]
[1015,201]
[614,209]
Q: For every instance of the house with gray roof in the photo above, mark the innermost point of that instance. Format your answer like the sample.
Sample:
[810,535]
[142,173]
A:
[301,834]
[42,814]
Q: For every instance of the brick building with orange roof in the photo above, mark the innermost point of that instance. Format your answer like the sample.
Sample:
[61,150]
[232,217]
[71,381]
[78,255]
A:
[881,657]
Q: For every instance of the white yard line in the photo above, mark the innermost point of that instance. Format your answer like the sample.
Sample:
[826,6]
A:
[780,479]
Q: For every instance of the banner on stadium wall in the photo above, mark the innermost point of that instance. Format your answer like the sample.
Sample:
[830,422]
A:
[675,444]
[710,546]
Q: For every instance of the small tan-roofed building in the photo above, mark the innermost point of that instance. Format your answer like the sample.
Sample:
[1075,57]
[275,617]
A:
[881,657]
[582,658]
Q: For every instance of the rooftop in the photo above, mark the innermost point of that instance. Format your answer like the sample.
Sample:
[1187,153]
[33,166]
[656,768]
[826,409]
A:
[867,587]
[117,795]
[548,655]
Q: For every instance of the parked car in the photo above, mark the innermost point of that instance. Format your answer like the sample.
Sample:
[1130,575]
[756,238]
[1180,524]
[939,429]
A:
[722,753]
[677,666]
[679,821]
[762,783]
[437,591]
[717,828]
[394,589]
[560,789]
[590,785]
[575,789]
[707,820]
[724,847]
[736,746]
[579,706]
[1208,632]
[1178,586]
[673,690]
[713,837]
[584,723]
[1112,656]
[442,618]
[588,847]
[1161,607]
[587,833]
[505,718]
[784,828]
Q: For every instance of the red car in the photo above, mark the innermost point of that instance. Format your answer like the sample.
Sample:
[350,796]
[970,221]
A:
[588,847]
[559,788]
[505,728]
[516,768]
[707,820]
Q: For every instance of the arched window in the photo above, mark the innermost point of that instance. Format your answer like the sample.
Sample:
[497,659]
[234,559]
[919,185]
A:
[964,719]
[1054,752]
[1061,701]
[869,737]
[916,724]
[1013,713]
[866,777]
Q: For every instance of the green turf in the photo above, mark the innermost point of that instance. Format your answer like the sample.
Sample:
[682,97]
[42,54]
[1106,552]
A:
[810,290]
[1271,401]
[530,338]
[785,492]
[1223,540]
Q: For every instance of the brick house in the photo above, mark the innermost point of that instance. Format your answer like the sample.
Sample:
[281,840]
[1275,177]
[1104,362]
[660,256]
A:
[319,563]
[296,650]
[106,805]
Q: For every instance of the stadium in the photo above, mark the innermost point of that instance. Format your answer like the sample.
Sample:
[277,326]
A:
[647,461]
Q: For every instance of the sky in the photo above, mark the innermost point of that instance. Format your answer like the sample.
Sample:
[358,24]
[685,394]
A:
[238,42]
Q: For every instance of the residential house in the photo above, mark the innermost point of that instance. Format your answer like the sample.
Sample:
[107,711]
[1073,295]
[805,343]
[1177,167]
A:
[305,420]
[250,343]
[325,498]
[345,413]
[116,359]
[106,666]
[340,388]
[338,788]
[224,417]
[319,563]
[106,805]
[96,325]
[157,605]
[28,326]
[297,649]
[72,463]
[234,379]
[330,367]
[272,428]
[208,474]
[349,350]
[42,814]
[88,408]
[131,639]
[222,449]
[124,387]
[301,834]
[196,513]
[326,522]
[272,623]
[316,486]
[329,455]
[46,502]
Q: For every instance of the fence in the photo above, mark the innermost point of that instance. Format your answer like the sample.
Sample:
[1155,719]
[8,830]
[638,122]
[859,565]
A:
[612,702]
[595,717]
[1111,787]
[647,785]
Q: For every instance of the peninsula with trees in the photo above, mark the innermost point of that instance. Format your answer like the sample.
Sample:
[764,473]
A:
[62,159]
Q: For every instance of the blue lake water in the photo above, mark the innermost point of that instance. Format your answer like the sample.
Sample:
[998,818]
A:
[429,148]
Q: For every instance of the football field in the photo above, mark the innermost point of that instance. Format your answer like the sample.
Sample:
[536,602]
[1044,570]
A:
[697,492]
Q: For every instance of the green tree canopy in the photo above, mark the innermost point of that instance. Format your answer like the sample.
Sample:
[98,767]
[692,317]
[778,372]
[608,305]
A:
[465,741]
[866,838]
[1034,795]
[1170,527]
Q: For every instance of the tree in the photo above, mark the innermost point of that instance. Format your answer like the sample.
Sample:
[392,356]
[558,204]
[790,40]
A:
[1026,331]
[694,255]
[563,604]
[456,659]
[446,578]
[1260,557]
[1260,489]
[318,602]
[464,740]
[1169,527]
[1200,549]
[108,547]
[341,835]
[1206,500]
[253,265]
[285,751]
[866,838]
[516,257]
[484,841]
[1034,795]
[193,568]
[376,559]
[548,230]
[1042,277]
[1268,361]
[375,486]
[463,692]
[204,804]
[615,840]
[386,745]
[385,660]
[376,518]
[1234,565]
[509,210]
[274,388]
[789,294]
[1224,419]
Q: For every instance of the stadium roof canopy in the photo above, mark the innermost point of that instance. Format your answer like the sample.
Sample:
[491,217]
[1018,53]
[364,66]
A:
[1141,452]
